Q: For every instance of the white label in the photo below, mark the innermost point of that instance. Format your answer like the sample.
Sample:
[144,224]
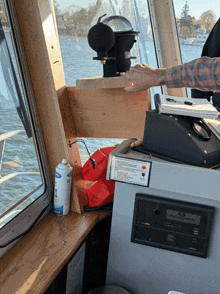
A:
[62,192]
[130,171]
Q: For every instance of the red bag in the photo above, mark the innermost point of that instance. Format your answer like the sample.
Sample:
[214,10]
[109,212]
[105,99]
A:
[103,190]
[101,163]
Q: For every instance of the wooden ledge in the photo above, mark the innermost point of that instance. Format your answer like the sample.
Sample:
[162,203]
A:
[35,261]
[102,83]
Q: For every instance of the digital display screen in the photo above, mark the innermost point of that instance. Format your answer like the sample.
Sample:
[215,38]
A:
[181,216]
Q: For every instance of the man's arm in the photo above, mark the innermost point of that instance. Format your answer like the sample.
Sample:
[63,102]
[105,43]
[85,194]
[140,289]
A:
[143,77]
[202,73]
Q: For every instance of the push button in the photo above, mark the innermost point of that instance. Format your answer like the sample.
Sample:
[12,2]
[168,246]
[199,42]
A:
[157,211]
[196,231]
[170,238]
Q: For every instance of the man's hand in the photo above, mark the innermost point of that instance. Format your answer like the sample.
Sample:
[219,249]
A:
[143,76]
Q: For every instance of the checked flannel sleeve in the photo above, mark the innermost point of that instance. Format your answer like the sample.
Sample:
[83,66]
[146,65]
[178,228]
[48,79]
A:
[202,74]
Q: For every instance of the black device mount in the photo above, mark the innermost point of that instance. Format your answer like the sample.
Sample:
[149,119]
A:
[113,48]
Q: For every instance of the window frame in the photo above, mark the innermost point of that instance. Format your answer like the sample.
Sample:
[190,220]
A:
[25,219]
[166,39]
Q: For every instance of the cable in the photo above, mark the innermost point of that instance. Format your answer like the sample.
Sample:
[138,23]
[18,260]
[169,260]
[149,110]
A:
[90,158]
[28,230]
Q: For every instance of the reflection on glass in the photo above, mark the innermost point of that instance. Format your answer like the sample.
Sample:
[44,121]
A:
[118,23]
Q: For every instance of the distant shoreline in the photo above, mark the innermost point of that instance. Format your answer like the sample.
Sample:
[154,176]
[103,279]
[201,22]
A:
[72,33]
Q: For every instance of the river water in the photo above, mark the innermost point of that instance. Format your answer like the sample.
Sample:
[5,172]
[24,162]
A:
[19,154]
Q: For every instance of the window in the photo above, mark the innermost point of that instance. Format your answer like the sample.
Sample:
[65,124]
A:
[74,22]
[24,190]
[195,19]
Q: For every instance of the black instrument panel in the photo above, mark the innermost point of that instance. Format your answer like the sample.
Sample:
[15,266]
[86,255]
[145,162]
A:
[172,224]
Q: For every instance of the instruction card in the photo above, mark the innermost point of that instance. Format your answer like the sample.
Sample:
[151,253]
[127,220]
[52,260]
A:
[130,171]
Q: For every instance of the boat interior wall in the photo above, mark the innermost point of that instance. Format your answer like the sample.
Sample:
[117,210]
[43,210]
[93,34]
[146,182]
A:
[166,40]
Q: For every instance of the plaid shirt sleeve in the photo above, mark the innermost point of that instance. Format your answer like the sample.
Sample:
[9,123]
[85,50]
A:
[202,74]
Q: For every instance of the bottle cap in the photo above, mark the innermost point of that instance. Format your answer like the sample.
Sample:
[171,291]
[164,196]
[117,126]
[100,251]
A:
[64,161]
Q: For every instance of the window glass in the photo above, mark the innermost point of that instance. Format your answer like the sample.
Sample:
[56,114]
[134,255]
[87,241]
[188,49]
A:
[195,20]
[74,22]
[21,181]
[95,143]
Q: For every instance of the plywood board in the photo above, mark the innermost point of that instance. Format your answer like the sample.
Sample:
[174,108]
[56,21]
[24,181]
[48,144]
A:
[100,82]
[108,113]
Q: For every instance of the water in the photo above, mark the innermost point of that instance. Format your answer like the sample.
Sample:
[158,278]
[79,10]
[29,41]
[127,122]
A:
[78,63]
[19,154]
[78,59]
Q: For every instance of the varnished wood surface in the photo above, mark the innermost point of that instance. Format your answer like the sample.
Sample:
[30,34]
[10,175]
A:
[101,214]
[34,262]
[108,113]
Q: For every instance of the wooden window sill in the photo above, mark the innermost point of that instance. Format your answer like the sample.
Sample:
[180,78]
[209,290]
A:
[35,261]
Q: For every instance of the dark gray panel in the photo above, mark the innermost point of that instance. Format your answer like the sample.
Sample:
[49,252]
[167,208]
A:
[75,272]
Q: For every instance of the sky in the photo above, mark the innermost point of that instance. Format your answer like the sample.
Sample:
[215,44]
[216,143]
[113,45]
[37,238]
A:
[196,6]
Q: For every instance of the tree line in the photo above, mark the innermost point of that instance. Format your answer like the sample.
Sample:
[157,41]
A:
[79,20]
[189,27]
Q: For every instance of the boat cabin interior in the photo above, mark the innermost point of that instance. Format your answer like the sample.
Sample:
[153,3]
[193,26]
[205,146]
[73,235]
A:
[159,233]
